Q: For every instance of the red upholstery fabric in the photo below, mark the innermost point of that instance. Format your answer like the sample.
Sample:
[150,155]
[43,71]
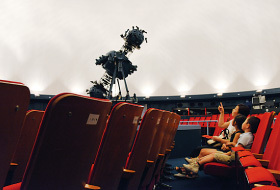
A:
[191,119]
[196,119]
[262,133]
[219,169]
[201,123]
[237,148]
[214,124]
[244,153]
[204,124]
[249,161]
[259,175]
[275,161]
[266,187]
[271,151]
[13,187]
[207,136]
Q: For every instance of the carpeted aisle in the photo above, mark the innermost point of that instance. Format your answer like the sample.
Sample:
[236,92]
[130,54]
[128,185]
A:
[202,182]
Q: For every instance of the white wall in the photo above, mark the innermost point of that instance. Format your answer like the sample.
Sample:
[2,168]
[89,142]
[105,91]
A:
[194,46]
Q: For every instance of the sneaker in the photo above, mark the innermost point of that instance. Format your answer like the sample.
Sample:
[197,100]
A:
[194,167]
[191,160]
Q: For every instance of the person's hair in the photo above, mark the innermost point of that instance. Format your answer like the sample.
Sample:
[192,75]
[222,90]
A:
[243,109]
[254,123]
[239,120]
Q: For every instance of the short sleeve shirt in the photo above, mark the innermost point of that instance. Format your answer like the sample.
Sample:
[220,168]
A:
[246,139]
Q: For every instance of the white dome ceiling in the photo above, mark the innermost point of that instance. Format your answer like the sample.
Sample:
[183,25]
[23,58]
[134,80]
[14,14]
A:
[194,46]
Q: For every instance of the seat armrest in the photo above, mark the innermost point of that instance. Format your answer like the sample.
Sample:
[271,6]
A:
[93,187]
[276,174]
[258,156]
[149,163]
[264,162]
[168,151]
[128,173]
[13,166]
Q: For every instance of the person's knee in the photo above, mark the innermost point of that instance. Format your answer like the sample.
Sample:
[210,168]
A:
[202,151]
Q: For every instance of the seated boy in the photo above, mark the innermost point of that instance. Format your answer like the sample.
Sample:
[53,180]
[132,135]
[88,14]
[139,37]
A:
[245,140]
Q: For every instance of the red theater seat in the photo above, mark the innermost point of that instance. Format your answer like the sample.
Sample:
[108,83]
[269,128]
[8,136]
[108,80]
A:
[14,101]
[214,117]
[158,149]
[271,157]
[259,175]
[66,144]
[25,144]
[138,156]
[173,124]
[116,143]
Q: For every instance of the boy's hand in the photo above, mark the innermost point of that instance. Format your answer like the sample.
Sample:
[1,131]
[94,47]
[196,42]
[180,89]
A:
[224,147]
[228,153]
[221,108]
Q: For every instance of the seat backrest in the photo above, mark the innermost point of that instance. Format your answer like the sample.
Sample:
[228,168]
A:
[191,119]
[226,117]
[168,133]
[213,117]
[14,101]
[208,118]
[158,148]
[201,119]
[262,133]
[160,137]
[25,144]
[144,139]
[272,150]
[217,131]
[196,119]
[174,125]
[116,143]
[67,143]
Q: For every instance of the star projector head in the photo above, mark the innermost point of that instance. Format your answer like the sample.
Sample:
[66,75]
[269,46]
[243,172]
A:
[133,39]
[117,65]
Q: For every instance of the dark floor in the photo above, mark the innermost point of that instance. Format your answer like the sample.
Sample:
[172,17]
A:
[202,182]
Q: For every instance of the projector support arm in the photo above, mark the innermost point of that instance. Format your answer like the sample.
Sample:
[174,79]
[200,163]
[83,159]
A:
[118,67]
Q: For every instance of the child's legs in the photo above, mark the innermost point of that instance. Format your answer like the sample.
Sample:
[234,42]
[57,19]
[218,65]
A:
[206,159]
[222,158]
[206,151]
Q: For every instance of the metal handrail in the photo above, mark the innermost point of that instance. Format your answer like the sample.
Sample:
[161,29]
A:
[207,123]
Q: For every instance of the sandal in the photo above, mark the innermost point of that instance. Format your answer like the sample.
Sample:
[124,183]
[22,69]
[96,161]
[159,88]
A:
[181,170]
[191,176]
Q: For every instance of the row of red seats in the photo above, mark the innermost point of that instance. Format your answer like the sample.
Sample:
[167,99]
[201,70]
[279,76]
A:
[212,120]
[79,142]
[247,167]
[197,120]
